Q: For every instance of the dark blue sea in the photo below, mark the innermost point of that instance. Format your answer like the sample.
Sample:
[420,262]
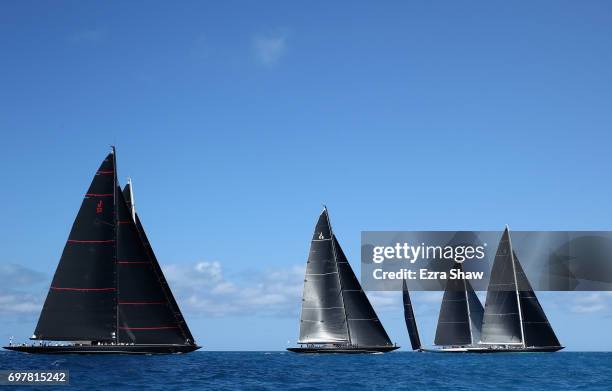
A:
[287,371]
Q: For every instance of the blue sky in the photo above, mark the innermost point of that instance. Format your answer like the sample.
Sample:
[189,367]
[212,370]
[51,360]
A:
[237,120]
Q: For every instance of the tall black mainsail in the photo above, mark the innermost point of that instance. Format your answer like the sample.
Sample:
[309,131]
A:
[81,303]
[108,292]
[411,325]
[460,319]
[513,316]
[336,313]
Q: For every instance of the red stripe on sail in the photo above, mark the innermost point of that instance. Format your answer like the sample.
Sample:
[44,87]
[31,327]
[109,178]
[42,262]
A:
[149,328]
[141,302]
[105,172]
[99,195]
[90,241]
[124,222]
[55,288]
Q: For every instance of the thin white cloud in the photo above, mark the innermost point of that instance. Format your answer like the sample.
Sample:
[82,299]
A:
[19,303]
[591,302]
[385,300]
[21,290]
[17,276]
[269,49]
[202,288]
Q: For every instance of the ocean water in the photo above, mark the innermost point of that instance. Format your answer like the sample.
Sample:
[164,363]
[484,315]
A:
[288,371]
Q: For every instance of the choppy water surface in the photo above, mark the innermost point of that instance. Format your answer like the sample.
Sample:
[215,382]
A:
[288,371]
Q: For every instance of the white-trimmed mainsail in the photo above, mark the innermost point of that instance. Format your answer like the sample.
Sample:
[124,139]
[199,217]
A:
[323,318]
[513,315]
[335,309]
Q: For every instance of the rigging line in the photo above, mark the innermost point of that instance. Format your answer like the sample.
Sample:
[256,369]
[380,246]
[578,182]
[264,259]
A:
[469,314]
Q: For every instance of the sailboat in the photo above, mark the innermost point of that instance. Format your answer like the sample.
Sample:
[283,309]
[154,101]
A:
[337,316]
[460,319]
[109,294]
[411,325]
[513,319]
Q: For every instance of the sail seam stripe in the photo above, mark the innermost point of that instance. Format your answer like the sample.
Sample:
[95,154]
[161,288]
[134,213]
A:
[320,274]
[91,241]
[149,328]
[98,195]
[81,289]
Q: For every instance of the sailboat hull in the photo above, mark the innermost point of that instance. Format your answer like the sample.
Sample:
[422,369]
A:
[534,349]
[344,349]
[104,349]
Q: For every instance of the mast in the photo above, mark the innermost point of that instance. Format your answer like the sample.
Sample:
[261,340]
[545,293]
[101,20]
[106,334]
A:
[331,235]
[516,289]
[469,314]
[115,184]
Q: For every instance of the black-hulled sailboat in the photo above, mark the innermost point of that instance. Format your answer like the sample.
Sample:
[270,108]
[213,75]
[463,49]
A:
[513,319]
[460,319]
[411,325]
[337,316]
[108,293]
